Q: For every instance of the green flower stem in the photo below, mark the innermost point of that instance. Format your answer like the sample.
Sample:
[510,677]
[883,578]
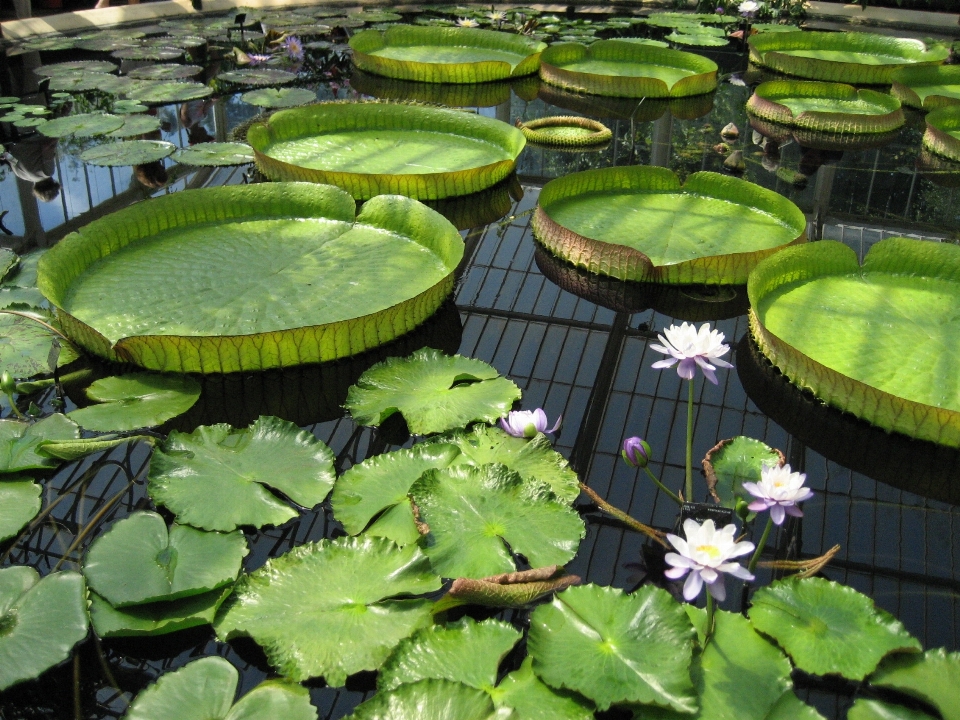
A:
[622,516]
[673,496]
[688,492]
[708,632]
[763,541]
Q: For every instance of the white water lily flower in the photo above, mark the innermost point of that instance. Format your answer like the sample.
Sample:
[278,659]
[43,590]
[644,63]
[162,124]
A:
[467,23]
[748,7]
[497,16]
[692,347]
[526,423]
[778,491]
[706,554]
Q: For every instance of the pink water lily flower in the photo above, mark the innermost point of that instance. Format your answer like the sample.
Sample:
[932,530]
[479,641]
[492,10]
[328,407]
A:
[526,423]
[778,491]
[706,555]
[691,347]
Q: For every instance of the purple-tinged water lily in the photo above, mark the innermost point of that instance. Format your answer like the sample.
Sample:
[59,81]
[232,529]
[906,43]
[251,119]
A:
[258,59]
[635,452]
[719,10]
[778,491]
[526,423]
[293,47]
[692,347]
[706,555]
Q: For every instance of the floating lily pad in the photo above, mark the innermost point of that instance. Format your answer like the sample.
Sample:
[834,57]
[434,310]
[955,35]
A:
[138,400]
[852,359]
[127,152]
[623,69]
[375,16]
[858,58]
[19,442]
[300,238]
[428,700]
[135,125]
[19,504]
[159,618]
[828,628]
[529,698]
[445,55]
[215,154]
[503,508]
[328,608]
[932,677]
[26,347]
[943,132]
[279,97]
[165,72]
[637,223]
[869,709]
[138,560]
[214,478]
[159,54]
[825,107]
[257,76]
[432,391]
[42,620]
[128,106]
[204,690]
[374,148]
[733,462]
[927,88]
[84,125]
[77,82]
[99,66]
[466,651]
[697,37]
[613,648]
[565,131]
[45,44]
[773,27]
[162,92]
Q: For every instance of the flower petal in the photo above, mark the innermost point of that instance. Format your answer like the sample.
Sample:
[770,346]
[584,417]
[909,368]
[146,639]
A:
[687,368]
[692,587]
[660,364]
[718,589]
[675,573]
[679,560]
[777,514]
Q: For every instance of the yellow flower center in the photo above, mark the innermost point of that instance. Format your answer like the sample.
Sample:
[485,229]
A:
[712,550]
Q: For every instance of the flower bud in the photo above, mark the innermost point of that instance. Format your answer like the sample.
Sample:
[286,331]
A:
[636,452]
[8,385]
[742,509]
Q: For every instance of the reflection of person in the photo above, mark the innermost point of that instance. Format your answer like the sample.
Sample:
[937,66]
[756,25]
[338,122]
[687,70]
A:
[32,160]
[191,114]
[152,174]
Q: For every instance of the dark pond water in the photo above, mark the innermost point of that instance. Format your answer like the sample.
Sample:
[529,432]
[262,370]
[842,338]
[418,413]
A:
[888,502]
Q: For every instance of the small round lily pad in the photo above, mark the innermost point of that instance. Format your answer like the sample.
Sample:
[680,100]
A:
[257,76]
[159,93]
[215,154]
[86,81]
[100,66]
[148,53]
[128,106]
[127,152]
[279,97]
[135,125]
[565,131]
[166,71]
[84,125]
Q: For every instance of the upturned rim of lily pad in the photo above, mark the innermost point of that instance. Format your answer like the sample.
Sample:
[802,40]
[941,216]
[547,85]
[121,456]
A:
[534,132]
[907,81]
[821,139]
[939,136]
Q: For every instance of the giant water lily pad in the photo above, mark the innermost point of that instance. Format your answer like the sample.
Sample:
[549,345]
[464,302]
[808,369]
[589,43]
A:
[279,97]
[159,618]
[428,700]
[623,69]
[615,648]
[204,690]
[473,513]
[828,628]
[932,677]
[249,263]
[434,392]
[445,55]
[216,478]
[83,125]
[19,504]
[138,400]
[849,57]
[638,223]
[374,148]
[215,154]
[127,152]
[41,621]
[825,107]
[876,341]
[942,135]
[139,560]
[20,442]
[927,88]
[329,608]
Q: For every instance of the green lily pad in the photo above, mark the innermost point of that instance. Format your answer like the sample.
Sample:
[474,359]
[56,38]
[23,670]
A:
[138,400]
[943,132]
[76,449]
[158,618]
[204,690]
[828,628]
[165,72]
[329,609]
[932,677]
[428,700]
[503,508]
[138,560]
[100,66]
[86,81]
[773,27]
[26,347]
[19,442]
[375,16]
[529,698]
[135,125]
[26,275]
[41,619]
[162,92]
[638,223]
[19,504]
[84,125]
[159,54]
[869,709]
[215,477]
[279,97]
[697,37]
[9,264]
[927,88]
[18,298]
[128,106]
[30,122]
[465,651]
[127,152]
[214,154]
[257,76]
[46,44]
[825,107]
[433,392]
[613,648]
[734,462]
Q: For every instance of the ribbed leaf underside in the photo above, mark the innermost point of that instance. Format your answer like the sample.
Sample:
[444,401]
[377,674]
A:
[943,132]
[826,107]
[927,88]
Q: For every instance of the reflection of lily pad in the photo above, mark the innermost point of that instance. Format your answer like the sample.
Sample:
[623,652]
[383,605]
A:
[84,125]
[158,618]
[136,125]
[258,76]
[167,71]
[279,97]
[158,93]
[19,504]
[19,442]
[127,152]
[733,462]
[138,400]
[213,154]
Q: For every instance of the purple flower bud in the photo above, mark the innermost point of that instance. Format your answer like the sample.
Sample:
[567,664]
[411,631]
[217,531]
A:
[636,452]
[524,423]
[719,11]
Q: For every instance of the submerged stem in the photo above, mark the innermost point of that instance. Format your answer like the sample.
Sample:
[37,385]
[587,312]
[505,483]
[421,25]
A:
[672,495]
[763,541]
[622,516]
[689,484]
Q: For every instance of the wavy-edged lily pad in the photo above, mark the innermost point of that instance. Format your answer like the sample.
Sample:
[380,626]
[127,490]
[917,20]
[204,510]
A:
[127,152]
[77,82]
[19,504]
[162,92]
[215,477]
[101,66]
[165,72]
[472,513]
[828,628]
[445,55]
[136,125]
[876,341]
[257,76]
[614,648]
[374,148]
[83,125]
[160,618]
[329,609]
[932,677]
[279,97]
[428,700]
[942,135]
[214,154]
[298,238]
[26,347]
[858,58]
[529,698]
[638,223]
[42,619]
[138,400]
[697,37]
[825,107]
[139,560]
[434,392]
[623,69]
[870,709]
[730,463]
[20,442]
[566,131]
[927,88]
[204,690]
[465,651]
